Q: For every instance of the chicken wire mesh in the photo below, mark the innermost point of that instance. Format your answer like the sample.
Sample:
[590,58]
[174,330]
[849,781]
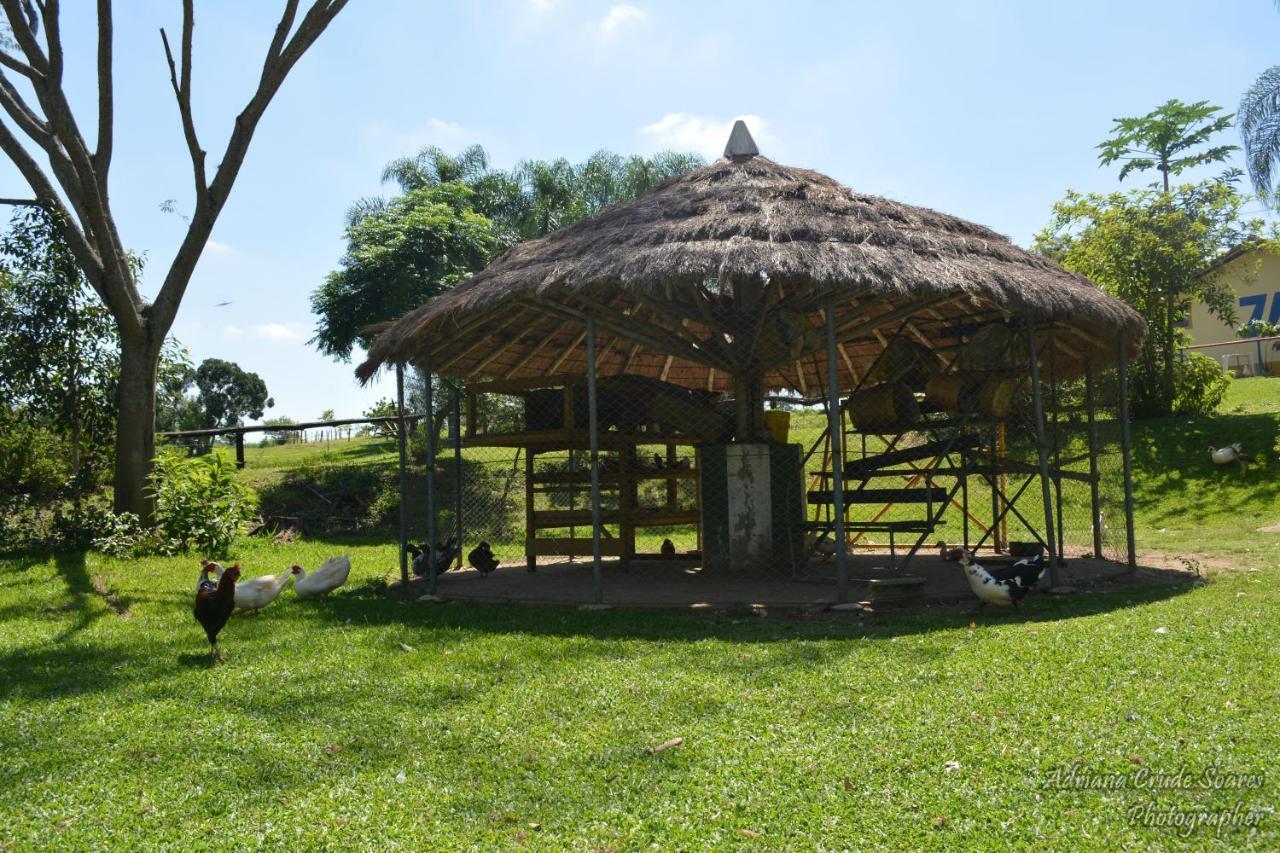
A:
[513,474]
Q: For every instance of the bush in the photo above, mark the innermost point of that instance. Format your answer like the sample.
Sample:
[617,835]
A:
[1200,385]
[34,462]
[199,504]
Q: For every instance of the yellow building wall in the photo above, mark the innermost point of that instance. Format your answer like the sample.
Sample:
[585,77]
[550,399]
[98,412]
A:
[1255,278]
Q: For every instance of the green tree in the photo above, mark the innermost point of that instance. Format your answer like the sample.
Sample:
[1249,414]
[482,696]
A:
[1155,250]
[1260,131]
[416,246]
[1170,139]
[73,186]
[453,216]
[58,350]
[229,394]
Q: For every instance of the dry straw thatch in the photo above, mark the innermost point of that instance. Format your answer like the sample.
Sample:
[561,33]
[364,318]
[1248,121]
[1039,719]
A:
[657,273]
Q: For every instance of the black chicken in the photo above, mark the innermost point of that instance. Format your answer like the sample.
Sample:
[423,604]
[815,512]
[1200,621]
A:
[668,548]
[481,558]
[214,603]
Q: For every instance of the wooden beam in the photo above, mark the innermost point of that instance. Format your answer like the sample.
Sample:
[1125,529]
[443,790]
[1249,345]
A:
[478,342]
[604,311]
[666,367]
[651,336]
[535,349]
[573,345]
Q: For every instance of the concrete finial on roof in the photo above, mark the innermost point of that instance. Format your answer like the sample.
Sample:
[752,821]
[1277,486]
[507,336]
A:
[740,146]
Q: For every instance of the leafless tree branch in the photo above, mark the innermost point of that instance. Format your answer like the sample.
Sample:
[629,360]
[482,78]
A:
[106,95]
[276,67]
[53,40]
[22,23]
[15,64]
[181,82]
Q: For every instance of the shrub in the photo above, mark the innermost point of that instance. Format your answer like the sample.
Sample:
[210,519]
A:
[1200,385]
[34,462]
[199,504]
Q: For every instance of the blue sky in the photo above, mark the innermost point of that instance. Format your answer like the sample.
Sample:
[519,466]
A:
[989,111]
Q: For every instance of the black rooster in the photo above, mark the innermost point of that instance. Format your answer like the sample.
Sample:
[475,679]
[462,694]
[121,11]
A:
[214,603]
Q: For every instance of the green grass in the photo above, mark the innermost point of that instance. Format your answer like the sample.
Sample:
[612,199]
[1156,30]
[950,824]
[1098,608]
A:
[362,721]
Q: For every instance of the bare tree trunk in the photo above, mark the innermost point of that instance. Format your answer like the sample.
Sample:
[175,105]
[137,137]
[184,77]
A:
[135,426]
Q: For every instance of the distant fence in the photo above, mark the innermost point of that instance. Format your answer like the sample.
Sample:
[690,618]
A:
[1247,356]
[238,433]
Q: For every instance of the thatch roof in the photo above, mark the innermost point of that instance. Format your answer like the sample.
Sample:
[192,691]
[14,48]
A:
[657,272]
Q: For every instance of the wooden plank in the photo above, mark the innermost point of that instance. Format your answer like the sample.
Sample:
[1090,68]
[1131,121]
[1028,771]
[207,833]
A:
[192,433]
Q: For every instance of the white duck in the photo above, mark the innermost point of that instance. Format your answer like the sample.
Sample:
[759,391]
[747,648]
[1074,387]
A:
[1231,453]
[324,580]
[252,594]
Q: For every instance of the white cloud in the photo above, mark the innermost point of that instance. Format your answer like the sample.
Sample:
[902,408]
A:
[280,332]
[541,7]
[233,332]
[220,248]
[707,136]
[620,16]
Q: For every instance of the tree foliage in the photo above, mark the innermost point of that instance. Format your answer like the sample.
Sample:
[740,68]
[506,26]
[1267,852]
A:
[1156,251]
[229,393]
[417,245]
[455,214]
[58,351]
[1170,139]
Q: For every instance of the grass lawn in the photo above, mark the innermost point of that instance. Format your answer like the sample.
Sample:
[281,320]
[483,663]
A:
[362,721]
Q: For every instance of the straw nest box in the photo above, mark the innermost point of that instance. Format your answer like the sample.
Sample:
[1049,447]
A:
[722,279]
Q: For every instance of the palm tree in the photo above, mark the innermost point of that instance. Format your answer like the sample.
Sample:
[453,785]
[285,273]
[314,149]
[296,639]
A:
[1259,119]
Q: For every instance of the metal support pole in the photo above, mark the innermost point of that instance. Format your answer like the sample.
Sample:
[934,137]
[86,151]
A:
[431,474]
[457,469]
[1126,456]
[1057,446]
[834,423]
[593,427]
[404,492]
[1095,500]
[1042,452]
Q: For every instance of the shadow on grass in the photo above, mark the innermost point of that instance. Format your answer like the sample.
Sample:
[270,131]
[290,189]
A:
[370,606]
[1218,489]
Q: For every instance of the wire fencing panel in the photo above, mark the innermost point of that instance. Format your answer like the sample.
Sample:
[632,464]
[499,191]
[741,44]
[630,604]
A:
[513,471]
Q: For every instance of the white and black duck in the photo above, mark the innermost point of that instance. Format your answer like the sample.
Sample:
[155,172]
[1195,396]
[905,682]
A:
[1002,586]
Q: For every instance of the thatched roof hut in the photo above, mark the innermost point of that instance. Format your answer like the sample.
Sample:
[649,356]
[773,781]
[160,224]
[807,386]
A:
[729,269]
